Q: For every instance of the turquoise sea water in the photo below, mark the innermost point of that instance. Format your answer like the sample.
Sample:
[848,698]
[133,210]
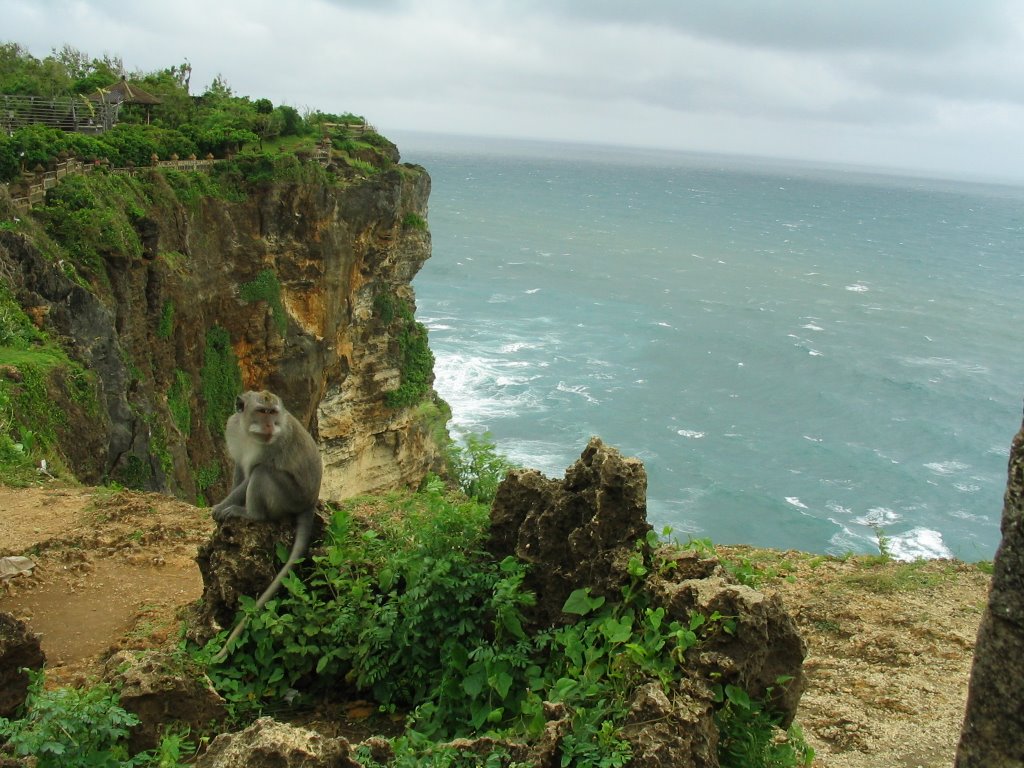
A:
[801,356]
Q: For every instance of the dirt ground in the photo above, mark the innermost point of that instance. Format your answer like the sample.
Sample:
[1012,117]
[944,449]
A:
[889,644]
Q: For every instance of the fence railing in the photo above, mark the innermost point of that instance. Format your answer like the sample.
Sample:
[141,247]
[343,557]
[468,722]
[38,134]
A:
[31,190]
[69,113]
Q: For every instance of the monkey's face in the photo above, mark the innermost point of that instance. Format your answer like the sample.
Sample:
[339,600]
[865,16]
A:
[262,417]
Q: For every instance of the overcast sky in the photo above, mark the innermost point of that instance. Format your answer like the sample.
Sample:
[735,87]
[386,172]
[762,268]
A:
[928,85]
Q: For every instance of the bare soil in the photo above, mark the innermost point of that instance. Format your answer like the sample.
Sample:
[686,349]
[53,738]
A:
[889,644]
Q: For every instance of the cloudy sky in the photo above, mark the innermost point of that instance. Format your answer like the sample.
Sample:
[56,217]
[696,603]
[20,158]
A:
[929,85]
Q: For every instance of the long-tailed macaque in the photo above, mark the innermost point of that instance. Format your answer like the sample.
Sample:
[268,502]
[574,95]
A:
[277,477]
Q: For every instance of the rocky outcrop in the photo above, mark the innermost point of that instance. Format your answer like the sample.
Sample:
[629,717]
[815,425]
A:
[162,689]
[19,650]
[582,531]
[299,285]
[994,721]
[270,744]
[239,559]
[576,532]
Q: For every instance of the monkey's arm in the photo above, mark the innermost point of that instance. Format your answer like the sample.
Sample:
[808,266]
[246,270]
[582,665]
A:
[233,504]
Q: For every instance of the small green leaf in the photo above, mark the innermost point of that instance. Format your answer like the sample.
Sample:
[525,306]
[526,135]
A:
[581,603]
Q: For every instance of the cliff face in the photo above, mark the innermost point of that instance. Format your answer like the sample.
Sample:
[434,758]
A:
[303,280]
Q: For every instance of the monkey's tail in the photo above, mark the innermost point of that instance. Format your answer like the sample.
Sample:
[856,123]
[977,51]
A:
[303,537]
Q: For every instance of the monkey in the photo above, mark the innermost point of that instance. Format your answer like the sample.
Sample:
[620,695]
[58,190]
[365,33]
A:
[277,476]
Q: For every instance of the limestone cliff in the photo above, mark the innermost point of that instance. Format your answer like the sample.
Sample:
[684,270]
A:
[174,290]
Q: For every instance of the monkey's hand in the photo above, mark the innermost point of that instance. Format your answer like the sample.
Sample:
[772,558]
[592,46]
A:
[222,513]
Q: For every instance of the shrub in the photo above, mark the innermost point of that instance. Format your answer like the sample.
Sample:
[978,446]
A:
[221,378]
[70,727]
[265,287]
[477,467]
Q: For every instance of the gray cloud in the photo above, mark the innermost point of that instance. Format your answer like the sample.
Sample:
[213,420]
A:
[936,84]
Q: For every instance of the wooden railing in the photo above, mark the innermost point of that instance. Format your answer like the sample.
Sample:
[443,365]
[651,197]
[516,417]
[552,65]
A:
[31,190]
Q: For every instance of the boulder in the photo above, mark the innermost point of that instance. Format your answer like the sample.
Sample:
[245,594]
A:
[19,649]
[763,655]
[582,532]
[162,689]
[270,744]
[994,721]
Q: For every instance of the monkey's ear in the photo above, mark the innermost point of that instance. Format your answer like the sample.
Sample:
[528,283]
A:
[239,404]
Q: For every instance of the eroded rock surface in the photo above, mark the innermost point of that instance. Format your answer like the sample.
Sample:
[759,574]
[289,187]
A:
[994,723]
[576,532]
[19,649]
[270,744]
[239,559]
[161,689]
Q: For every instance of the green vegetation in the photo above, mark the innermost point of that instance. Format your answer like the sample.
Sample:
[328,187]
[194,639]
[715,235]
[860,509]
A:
[414,221]
[403,604]
[70,727]
[32,368]
[477,467]
[92,218]
[165,327]
[215,123]
[891,576]
[266,288]
[221,378]
[415,360]
[179,402]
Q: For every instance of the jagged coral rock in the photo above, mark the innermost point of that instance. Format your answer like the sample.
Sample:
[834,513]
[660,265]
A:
[574,533]
[582,532]
[270,744]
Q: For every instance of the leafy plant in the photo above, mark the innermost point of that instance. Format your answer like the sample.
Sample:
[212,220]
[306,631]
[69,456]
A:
[221,378]
[477,467]
[749,735]
[265,287]
[70,727]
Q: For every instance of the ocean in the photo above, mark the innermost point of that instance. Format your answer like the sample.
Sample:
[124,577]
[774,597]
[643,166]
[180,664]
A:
[803,357]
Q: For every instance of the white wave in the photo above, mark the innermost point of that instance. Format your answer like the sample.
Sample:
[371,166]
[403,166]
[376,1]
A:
[812,439]
[577,389]
[946,468]
[961,514]
[858,288]
[480,389]
[795,501]
[967,487]
[812,327]
[814,353]
[690,433]
[548,458]
[516,346]
[879,517]
[532,291]
[917,544]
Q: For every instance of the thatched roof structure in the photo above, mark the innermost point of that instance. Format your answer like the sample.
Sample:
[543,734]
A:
[123,92]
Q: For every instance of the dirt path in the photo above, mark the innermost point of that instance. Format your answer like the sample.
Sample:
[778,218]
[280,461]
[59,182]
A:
[112,568]
[889,644]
